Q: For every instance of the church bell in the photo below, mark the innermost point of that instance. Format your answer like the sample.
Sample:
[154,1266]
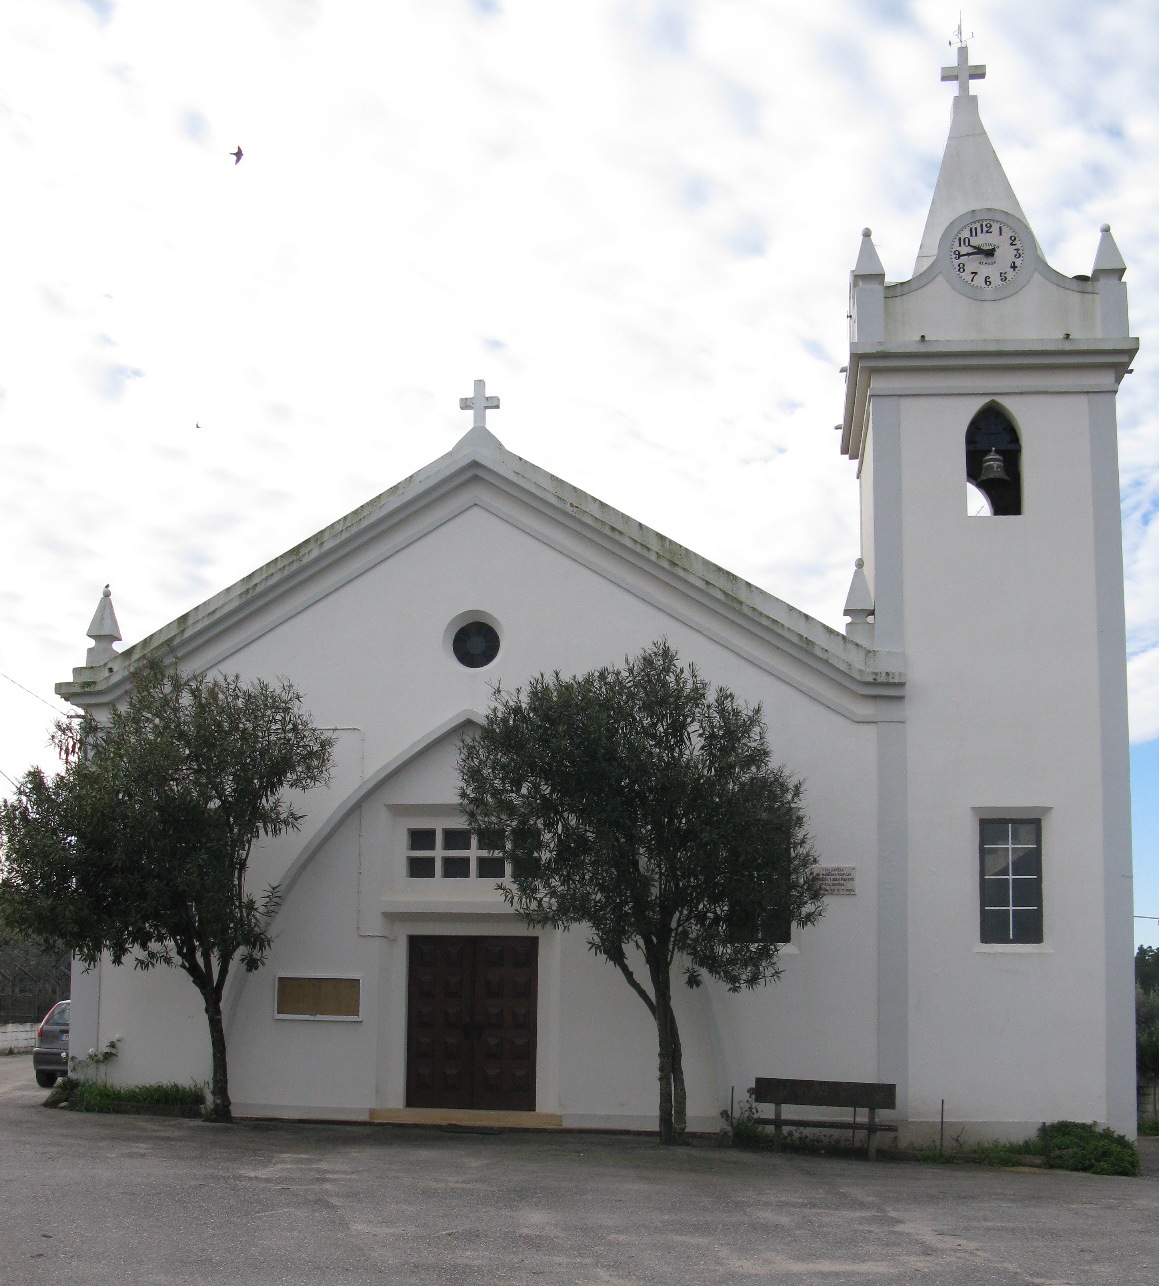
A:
[993,470]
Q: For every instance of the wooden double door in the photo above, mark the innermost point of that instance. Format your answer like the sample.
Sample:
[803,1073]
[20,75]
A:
[471,1023]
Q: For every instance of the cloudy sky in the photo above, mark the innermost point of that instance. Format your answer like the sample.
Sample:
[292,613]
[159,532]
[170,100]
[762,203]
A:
[634,218]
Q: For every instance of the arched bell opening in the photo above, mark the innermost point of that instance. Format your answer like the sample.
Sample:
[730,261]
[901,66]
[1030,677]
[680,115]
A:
[994,462]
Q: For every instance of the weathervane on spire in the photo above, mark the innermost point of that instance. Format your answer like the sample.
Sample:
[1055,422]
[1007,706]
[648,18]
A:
[963,72]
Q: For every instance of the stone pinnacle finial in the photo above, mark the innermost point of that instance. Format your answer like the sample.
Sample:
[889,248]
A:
[868,261]
[103,630]
[1108,259]
[859,607]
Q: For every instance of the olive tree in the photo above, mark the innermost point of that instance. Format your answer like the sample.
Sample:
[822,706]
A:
[1147,1013]
[641,803]
[139,848]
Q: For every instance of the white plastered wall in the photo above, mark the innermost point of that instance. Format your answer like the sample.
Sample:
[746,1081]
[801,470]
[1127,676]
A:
[371,659]
[1004,718]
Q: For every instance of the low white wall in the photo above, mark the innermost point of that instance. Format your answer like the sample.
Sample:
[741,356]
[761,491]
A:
[18,1036]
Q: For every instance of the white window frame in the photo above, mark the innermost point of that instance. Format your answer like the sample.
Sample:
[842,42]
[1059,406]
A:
[1011,817]
[440,852]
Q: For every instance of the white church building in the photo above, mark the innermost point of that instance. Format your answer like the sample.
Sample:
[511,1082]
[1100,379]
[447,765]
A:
[963,744]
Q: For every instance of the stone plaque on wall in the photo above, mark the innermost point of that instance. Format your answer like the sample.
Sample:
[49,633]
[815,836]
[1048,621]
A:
[838,881]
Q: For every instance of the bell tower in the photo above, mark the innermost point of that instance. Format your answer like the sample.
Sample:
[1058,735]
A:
[980,413]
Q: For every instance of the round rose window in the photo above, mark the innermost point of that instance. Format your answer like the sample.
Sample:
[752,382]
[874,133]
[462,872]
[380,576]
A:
[475,644]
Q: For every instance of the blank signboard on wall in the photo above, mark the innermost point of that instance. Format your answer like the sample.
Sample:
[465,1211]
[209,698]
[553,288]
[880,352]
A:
[319,997]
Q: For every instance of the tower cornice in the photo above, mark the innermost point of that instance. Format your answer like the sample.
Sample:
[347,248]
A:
[971,367]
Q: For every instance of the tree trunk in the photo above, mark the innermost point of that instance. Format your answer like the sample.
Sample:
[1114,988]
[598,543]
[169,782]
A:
[664,1033]
[679,1096]
[219,1106]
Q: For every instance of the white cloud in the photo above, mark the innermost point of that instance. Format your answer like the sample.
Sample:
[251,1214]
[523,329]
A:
[1143,685]
[636,220]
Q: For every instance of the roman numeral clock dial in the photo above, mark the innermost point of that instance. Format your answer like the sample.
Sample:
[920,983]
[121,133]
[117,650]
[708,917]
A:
[987,254]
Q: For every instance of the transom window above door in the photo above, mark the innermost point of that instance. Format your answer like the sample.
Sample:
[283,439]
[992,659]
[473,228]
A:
[451,853]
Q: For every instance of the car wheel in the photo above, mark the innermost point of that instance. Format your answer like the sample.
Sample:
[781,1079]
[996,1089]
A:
[46,1080]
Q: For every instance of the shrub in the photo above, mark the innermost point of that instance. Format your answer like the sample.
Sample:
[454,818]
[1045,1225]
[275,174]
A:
[747,1133]
[747,1130]
[61,1092]
[1071,1145]
[1149,1125]
[91,1096]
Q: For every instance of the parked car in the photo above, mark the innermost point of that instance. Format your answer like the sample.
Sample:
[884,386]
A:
[50,1057]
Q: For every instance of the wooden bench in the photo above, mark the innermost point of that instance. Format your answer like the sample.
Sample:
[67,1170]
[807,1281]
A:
[853,1094]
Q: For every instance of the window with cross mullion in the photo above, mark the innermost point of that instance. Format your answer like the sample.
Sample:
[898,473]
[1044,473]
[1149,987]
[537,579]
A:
[1010,872]
[451,853]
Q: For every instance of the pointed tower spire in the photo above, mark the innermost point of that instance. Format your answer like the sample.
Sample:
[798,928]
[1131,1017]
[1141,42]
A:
[103,630]
[971,176]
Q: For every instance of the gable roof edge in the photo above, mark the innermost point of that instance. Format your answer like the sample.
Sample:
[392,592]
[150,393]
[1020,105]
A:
[804,636]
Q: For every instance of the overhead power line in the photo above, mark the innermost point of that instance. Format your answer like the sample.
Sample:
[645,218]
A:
[31,693]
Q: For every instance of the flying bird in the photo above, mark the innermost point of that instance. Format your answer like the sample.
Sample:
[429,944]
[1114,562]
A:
[237,155]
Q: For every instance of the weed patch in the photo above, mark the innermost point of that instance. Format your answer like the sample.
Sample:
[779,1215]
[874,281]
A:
[96,1096]
[1003,1154]
[1062,1145]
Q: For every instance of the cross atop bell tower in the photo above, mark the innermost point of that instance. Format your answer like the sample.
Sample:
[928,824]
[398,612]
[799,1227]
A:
[971,176]
[963,72]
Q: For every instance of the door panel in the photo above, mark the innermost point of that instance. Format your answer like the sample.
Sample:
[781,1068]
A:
[438,1048]
[505,1023]
[471,1023]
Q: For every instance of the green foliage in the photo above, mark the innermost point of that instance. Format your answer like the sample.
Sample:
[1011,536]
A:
[1147,1013]
[94,1062]
[1002,1154]
[644,805]
[31,980]
[1072,1145]
[61,1092]
[747,1133]
[1061,1145]
[1147,1034]
[747,1130]
[140,847]
[1147,968]
[931,1156]
[1149,1126]
[93,1096]
[993,1154]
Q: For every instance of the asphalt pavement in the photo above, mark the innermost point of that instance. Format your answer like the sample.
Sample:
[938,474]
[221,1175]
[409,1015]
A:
[95,1199]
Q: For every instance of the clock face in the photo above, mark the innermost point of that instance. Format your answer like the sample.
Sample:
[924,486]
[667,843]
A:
[988,255]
